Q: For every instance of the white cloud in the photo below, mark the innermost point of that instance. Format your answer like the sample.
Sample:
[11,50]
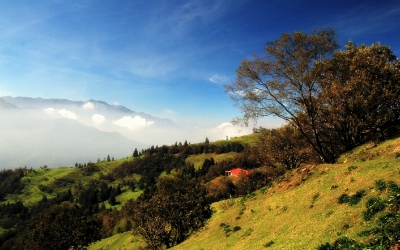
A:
[230,130]
[50,110]
[98,119]
[88,106]
[223,125]
[133,123]
[219,79]
[67,114]
[62,112]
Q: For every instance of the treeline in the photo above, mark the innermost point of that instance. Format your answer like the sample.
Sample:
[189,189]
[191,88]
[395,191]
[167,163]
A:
[10,181]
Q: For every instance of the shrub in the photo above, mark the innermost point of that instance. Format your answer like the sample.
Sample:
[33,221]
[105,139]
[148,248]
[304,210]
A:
[344,198]
[45,189]
[236,228]
[341,243]
[374,205]
[334,187]
[351,168]
[353,199]
[380,185]
[269,243]
[356,198]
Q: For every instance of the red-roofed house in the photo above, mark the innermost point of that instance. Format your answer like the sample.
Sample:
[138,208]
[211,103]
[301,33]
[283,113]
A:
[237,172]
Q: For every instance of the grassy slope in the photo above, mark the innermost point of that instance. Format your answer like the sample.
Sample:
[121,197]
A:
[32,194]
[197,160]
[299,212]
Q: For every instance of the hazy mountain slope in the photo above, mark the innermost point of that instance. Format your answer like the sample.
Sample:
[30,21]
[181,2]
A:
[27,140]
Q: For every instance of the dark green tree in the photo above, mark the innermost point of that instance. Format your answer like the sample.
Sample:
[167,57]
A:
[63,226]
[178,208]
[207,141]
[135,153]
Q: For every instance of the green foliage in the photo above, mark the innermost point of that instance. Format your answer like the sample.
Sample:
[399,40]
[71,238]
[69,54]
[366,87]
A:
[63,226]
[344,198]
[341,243]
[45,189]
[351,199]
[173,213]
[269,243]
[351,168]
[236,228]
[385,232]
[381,185]
[334,187]
[285,147]
[305,80]
[374,205]
[227,229]
[315,197]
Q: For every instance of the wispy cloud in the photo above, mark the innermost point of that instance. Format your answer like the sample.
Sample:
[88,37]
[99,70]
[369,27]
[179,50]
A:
[219,79]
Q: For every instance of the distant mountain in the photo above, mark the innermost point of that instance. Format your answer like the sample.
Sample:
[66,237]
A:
[100,115]
[29,141]
[4,105]
[58,132]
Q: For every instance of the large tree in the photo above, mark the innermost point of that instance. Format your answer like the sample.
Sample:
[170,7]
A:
[64,226]
[177,209]
[283,83]
[361,93]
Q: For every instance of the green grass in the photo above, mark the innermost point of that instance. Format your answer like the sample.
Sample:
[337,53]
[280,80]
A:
[197,160]
[61,179]
[246,140]
[124,240]
[282,217]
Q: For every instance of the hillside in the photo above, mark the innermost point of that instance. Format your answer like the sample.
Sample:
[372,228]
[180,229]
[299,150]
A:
[299,211]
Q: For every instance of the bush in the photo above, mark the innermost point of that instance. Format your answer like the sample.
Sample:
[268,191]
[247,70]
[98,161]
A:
[45,189]
[236,228]
[341,243]
[269,243]
[344,198]
[356,198]
[374,205]
[353,199]
[380,185]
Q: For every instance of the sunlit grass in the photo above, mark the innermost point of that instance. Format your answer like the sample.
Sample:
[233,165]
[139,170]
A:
[120,241]
[292,216]
[197,160]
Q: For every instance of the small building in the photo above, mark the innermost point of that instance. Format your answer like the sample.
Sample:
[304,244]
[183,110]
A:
[238,172]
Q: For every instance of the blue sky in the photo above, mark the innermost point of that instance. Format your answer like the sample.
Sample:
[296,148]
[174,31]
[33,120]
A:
[166,58]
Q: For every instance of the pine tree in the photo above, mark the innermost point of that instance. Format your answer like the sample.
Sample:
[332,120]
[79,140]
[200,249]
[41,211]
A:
[135,153]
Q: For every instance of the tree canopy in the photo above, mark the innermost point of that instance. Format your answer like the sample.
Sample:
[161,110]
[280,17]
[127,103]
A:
[332,97]
[177,209]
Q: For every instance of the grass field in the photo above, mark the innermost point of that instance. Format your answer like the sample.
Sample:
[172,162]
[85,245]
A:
[51,181]
[197,160]
[300,211]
